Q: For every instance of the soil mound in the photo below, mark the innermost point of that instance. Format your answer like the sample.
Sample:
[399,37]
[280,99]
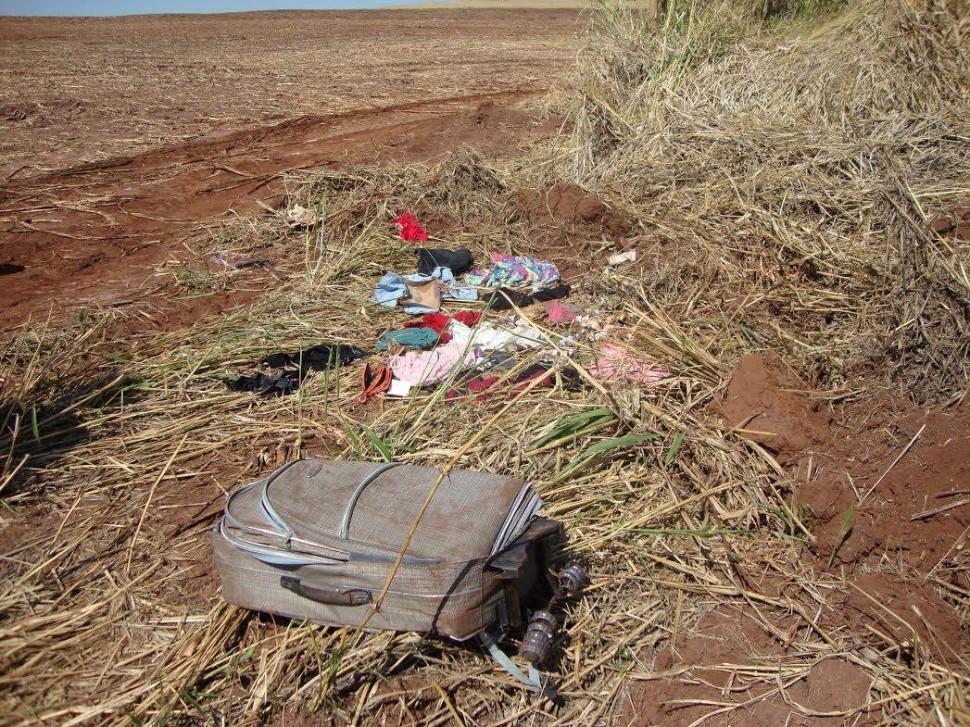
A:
[570,209]
[770,405]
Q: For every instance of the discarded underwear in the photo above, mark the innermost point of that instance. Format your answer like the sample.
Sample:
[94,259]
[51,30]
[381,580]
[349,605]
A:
[419,293]
[558,313]
[484,387]
[374,381]
[423,368]
[438,322]
[458,261]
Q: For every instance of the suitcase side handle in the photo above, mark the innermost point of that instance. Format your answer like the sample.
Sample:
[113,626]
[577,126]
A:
[330,596]
[344,532]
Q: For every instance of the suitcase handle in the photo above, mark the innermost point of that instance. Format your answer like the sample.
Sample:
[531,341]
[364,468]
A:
[330,596]
[344,531]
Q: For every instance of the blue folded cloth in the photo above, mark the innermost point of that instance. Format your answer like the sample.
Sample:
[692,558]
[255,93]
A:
[391,288]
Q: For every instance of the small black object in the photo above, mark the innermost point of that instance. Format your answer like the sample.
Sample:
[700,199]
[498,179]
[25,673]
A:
[538,637]
[9,268]
[459,261]
[505,298]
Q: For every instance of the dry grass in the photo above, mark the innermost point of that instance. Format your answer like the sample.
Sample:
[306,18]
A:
[761,176]
[799,172]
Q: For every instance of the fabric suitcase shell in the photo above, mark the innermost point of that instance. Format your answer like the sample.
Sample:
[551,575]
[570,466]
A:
[317,540]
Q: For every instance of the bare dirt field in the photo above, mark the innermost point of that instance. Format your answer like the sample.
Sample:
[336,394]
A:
[84,89]
[352,87]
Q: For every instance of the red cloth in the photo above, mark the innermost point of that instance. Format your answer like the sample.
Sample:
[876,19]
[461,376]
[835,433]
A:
[438,322]
[468,317]
[410,229]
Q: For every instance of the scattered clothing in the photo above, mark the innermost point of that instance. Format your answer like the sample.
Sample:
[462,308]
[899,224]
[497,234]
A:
[515,271]
[557,312]
[421,293]
[416,338]
[615,363]
[374,381]
[259,383]
[505,298]
[420,368]
[409,228]
[317,358]
[458,261]
[314,358]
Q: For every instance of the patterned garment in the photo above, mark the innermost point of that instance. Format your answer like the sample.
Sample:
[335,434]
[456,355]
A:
[514,271]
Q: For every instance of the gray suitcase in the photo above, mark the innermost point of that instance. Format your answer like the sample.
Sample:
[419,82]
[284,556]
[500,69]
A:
[317,540]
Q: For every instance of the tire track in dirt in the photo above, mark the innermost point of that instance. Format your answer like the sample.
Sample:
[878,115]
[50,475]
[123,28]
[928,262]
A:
[92,234]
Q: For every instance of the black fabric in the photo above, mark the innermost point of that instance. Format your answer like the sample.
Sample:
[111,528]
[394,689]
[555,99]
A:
[429,258]
[259,383]
[10,268]
[317,358]
[571,378]
[504,298]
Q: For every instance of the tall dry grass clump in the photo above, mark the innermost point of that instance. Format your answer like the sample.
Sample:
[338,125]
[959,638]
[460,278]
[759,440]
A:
[798,166]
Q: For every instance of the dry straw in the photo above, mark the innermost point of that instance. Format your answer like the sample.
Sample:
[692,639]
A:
[781,169]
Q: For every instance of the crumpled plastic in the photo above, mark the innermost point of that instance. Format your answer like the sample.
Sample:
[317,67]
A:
[409,228]
[514,271]
[392,288]
[421,368]
[615,363]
